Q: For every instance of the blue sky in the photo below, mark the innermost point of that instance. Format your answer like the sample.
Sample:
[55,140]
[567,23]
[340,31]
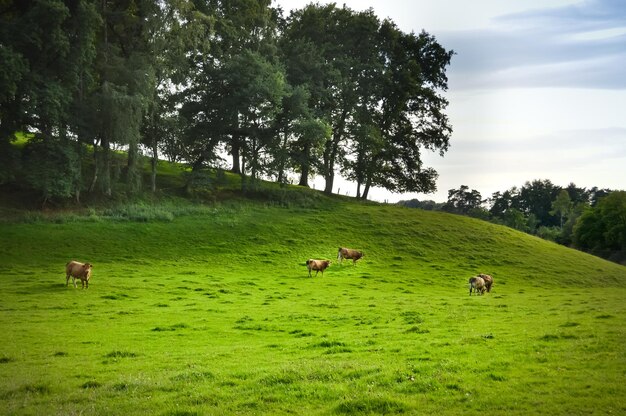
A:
[537,90]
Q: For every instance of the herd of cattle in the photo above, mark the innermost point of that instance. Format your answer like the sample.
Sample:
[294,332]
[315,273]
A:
[343,253]
[82,271]
[480,284]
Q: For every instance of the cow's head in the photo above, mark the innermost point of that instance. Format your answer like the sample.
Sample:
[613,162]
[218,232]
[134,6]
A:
[87,269]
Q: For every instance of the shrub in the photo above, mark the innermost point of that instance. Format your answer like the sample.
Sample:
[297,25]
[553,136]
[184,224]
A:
[51,167]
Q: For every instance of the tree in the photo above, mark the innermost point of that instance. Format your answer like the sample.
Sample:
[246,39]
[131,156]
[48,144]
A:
[562,206]
[536,198]
[321,59]
[176,32]
[514,218]
[306,151]
[257,88]
[51,167]
[602,229]
[462,200]
[502,202]
[234,90]
[122,89]
[46,50]
[406,108]
[378,88]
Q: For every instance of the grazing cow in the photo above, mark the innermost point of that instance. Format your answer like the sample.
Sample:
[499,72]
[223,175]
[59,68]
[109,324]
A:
[77,270]
[317,265]
[488,281]
[478,284]
[348,253]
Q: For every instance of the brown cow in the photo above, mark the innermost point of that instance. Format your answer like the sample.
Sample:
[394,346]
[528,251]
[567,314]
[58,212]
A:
[488,281]
[478,284]
[317,265]
[348,253]
[77,270]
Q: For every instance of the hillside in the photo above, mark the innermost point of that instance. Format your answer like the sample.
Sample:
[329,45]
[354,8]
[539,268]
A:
[207,309]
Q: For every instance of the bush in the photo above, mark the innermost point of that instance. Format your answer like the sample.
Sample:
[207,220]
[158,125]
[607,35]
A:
[140,213]
[549,233]
[52,167]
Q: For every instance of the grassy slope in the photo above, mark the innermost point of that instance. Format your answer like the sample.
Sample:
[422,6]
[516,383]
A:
[213,313]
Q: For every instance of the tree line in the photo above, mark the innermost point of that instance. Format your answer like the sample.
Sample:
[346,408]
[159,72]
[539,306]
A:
[592,220]
[324,90]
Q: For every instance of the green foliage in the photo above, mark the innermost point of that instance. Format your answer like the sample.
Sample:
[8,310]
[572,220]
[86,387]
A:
[562,206]
[51,167]
[462,200]
[603,228]
[194,79]
[549,233]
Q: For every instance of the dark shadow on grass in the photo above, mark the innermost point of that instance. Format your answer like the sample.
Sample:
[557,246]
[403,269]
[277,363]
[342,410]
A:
[43,288]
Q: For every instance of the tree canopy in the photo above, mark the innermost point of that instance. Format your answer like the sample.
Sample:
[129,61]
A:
[324,90]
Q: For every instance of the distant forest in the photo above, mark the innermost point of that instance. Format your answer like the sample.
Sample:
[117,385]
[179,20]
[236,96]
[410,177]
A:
[593,220]
[235,85]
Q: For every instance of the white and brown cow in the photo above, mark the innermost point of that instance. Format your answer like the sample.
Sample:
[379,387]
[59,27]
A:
[77,270]
[317,265]
[348,253]
[488,281]
[478,284]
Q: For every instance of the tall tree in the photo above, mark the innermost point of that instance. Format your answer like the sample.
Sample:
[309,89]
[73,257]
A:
[321,59]
[562,206]
[501,202]
[602,229]
[177,35]
[45,47]
[462,200]
[244,33]
[378,88]
[407,109]
[536,198]
[257,88]
[124,83]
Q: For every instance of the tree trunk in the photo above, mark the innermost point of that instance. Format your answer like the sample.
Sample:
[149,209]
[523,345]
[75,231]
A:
[96,164]
[305,168]
[235,152]
[133,174]
[155,159]
[281,165]
[106,168]
[330,153]
[368,184]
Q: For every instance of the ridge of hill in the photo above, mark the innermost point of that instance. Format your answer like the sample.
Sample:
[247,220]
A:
[440,247]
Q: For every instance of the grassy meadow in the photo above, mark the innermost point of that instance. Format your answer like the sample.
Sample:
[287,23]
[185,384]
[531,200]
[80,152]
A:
[208,310]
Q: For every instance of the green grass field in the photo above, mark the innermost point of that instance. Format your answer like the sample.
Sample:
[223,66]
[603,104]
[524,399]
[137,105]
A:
[210,311]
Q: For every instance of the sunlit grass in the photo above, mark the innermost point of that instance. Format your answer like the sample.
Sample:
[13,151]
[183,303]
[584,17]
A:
[211,311]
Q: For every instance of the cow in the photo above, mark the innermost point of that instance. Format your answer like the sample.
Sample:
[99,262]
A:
[478,284]
[348,253]
[488,281]
[317,265]
[77,270]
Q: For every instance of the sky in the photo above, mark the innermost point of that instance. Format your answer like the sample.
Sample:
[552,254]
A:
[537,90]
